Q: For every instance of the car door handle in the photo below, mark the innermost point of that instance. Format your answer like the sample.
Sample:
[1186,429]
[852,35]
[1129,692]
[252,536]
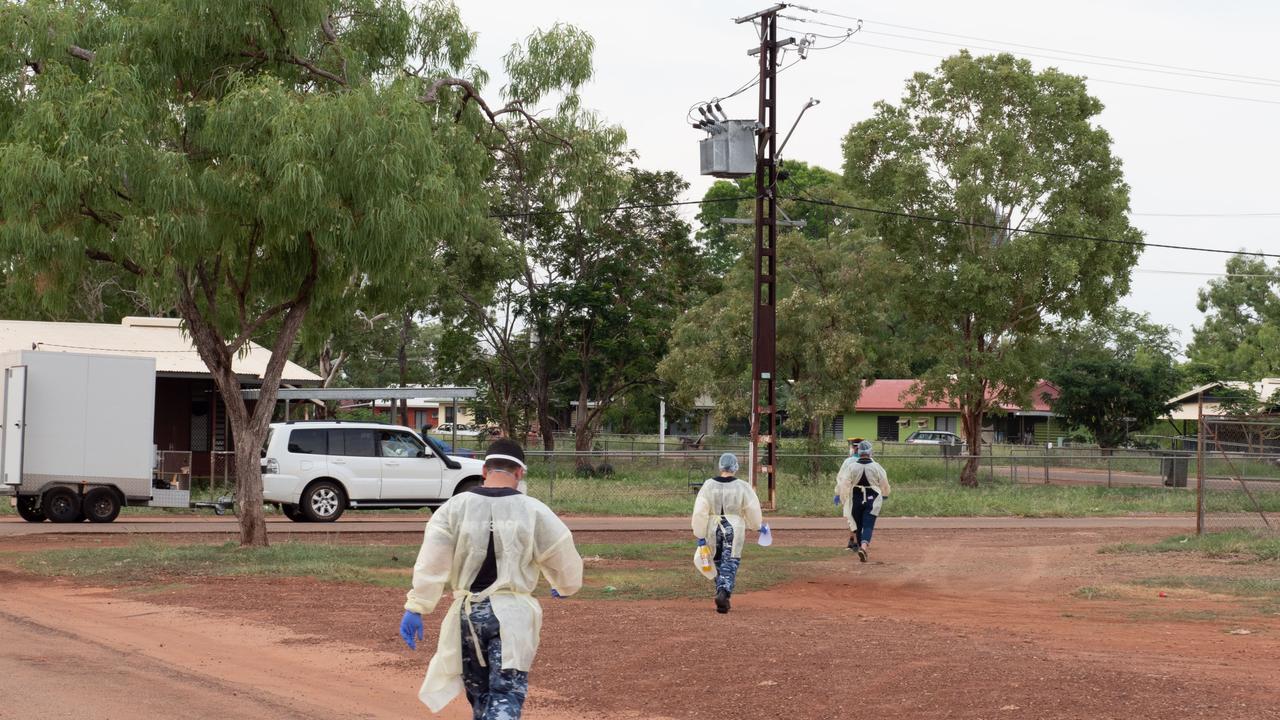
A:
[338,461]
[390,462]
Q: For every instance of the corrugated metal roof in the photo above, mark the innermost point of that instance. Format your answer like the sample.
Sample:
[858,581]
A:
[159,338]
[899,395]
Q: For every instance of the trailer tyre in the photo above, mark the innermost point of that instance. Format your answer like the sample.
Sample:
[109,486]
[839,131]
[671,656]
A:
[29,508]
[101,505]
[323,501]
[62,505]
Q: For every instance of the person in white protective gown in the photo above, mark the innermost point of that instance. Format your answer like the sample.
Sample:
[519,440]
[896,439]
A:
[861,487]
[725,509]
[487,547]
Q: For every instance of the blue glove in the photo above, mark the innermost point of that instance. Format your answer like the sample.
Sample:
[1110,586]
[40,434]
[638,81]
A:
[411,629]
[836,500]
[764,529]
[556,594]
[702,542]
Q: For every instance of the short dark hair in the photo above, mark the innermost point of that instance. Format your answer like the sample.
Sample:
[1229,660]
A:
[504,446]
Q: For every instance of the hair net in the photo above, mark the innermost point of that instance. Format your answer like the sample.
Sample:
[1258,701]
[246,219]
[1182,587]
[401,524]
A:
[865,448]
[729,462]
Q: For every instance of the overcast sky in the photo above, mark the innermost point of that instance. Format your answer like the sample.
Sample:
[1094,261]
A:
[1183,153]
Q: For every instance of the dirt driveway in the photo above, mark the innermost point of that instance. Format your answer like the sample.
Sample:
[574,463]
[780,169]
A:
[943,623]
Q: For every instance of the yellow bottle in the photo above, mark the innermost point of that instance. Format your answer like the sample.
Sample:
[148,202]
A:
[704,559]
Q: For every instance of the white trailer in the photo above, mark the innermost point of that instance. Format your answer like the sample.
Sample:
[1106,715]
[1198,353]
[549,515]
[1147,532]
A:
[78,436]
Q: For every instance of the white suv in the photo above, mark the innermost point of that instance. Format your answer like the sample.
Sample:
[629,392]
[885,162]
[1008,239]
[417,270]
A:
[316,470]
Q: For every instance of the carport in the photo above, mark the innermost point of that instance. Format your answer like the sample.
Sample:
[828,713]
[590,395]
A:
[290,395]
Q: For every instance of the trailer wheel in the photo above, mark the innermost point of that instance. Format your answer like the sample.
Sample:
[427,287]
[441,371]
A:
[323,501]
[293,512]
[29,508]
[62,505]
[101,505]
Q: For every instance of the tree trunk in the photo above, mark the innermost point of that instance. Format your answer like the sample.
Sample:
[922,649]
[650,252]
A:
[248,427]
[582,431]
[815,448]
[545,428]
[249,438]
[971,419]
[402,356]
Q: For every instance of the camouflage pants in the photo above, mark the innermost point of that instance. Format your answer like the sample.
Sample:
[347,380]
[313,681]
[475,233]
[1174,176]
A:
[494,693]
[726,563]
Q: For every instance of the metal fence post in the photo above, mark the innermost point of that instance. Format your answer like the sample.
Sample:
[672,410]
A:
[1046,464]
[1108,471]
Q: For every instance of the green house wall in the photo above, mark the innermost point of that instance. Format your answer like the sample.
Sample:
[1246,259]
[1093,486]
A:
[864,425]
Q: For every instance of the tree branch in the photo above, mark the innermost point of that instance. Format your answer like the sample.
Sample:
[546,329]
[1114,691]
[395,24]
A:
[79,52]
[106,257]
[514,107]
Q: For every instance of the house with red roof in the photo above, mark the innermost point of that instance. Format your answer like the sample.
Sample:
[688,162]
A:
[890,410]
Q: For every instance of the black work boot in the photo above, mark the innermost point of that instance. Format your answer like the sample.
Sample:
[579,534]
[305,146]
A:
[722,601]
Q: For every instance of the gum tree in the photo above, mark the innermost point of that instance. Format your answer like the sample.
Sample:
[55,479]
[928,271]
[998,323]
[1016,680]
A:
[993,144]
[248,161]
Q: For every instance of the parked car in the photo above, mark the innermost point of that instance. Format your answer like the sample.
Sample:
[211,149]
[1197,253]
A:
[317,470]
[933,437]
[455,452]
[447,429]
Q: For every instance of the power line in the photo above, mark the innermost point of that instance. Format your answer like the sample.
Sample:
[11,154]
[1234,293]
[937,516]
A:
[1210,215]
[1039,233]
[616,208]
[1095,79]
[1100,63]
[1154,271]
[1046,49]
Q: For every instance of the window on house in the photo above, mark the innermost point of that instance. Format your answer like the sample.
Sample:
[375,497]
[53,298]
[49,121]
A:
[887,428]
[201,425]
[945,424]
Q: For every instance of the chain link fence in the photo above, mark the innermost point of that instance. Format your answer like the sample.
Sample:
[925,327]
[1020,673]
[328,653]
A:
[1240,489]
[926,480]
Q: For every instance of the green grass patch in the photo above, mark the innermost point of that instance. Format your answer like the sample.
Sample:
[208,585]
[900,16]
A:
[150,561]
[670,494]
[1218,584]
[660,571]
[1090,592]
[613,571]
[1235,544]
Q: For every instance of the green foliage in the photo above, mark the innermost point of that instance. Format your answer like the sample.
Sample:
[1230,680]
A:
[1110,396]
[255,165]
[1115,373]
[1234,545]
[582,314]
[988,140]
[1240,336]
[830,317]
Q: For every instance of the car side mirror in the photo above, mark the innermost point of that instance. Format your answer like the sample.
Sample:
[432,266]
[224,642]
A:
[422,453]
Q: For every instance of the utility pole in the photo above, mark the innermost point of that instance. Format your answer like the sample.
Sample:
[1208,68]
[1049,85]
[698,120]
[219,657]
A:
[764,408]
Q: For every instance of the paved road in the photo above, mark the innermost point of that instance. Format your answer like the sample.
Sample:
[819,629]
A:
[12,526]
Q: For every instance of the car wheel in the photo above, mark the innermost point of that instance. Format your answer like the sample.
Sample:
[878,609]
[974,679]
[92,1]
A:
[293,512]
[465,485]
[62,505]
[323,502]
[29,508]
[101,505]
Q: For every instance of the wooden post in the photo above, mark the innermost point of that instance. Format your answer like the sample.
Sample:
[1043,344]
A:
[1200,464]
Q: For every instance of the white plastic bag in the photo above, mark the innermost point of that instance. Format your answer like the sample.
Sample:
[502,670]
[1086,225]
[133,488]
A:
[702,561]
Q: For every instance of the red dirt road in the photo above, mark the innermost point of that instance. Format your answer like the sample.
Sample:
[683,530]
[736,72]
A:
[966,624]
